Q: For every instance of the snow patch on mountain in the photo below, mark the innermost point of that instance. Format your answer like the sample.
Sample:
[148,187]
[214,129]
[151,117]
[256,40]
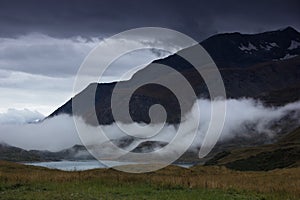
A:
[287,56]
[273,44]
[294,45]
[268,46]
[247,48]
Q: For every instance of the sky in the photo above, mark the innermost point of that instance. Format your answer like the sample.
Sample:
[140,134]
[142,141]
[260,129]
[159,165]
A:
[43,43]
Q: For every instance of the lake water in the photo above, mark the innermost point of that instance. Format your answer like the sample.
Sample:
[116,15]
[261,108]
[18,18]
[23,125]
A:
[84,165]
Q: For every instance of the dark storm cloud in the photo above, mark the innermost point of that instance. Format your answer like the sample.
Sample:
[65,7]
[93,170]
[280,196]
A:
[199,19]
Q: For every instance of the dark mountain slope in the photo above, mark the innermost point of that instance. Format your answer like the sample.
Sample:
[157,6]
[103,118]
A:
[244,50]
[268,65]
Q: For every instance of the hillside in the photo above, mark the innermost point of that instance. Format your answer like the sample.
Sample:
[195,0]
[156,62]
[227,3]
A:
[11,153]
[281,154]
[257,65]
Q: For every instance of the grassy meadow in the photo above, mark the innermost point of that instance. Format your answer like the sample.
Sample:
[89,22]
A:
[27,182]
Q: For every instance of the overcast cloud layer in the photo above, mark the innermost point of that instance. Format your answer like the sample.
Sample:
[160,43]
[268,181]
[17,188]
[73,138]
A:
[197,18]
[37,71]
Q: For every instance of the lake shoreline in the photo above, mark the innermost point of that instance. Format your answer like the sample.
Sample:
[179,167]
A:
[82,165]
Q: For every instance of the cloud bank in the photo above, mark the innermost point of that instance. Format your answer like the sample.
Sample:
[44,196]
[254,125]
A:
[54,134]
[245,118]
[14,116]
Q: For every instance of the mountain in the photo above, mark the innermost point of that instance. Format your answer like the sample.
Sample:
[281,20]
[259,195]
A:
[283,153]
[252,65]
[244,50]
[11,153]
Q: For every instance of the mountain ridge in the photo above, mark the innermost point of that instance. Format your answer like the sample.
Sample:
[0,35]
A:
[244,74]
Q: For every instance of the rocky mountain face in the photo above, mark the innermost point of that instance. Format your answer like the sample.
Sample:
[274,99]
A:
[257,65]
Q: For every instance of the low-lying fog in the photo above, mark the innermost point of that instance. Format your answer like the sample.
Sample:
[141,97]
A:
[60,133]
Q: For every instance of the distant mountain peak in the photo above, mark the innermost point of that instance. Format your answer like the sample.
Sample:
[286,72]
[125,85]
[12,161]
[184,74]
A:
[289,29]
[244,50]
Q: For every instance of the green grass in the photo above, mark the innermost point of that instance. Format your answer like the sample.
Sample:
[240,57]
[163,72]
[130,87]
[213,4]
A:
[28,182]
[99,190]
